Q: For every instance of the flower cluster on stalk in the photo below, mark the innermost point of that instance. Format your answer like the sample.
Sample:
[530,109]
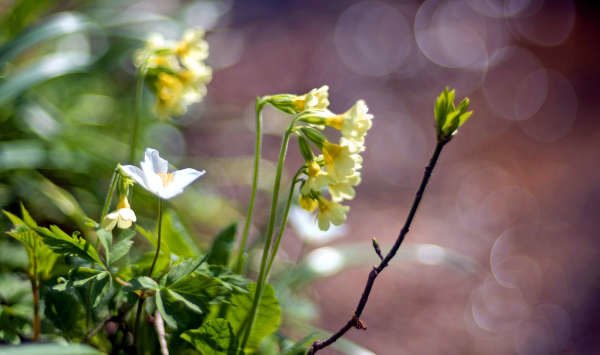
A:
[331,173]
[175,71]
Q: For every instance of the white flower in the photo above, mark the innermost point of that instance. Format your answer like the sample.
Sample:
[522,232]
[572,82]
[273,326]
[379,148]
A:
[154,175]
[307,229]
[123,217]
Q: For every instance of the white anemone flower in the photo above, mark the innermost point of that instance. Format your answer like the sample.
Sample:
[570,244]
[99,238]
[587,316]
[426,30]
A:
[155,177]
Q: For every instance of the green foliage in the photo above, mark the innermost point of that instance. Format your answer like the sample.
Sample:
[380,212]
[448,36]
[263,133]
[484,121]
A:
[177,238]
[51,349]
[449,118]
[220,252]
[267,319]
[215,337]
[62,243]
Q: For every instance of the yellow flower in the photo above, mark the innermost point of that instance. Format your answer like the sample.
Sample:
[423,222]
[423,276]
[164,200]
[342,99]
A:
[123,217]
[340,162]
[307,202]
[344,189]
[353,124]
[317,178]
[176,71]
[315,99]
[330,212]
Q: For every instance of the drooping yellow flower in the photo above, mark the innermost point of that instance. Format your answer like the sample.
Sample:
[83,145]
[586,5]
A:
[330,212]
[315,99]
[307,202]
[123,217]
[344,189]
[340,162]
[317,178]
[353,124]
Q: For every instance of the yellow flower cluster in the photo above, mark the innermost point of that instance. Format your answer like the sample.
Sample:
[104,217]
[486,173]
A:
[337,168]
[175,71]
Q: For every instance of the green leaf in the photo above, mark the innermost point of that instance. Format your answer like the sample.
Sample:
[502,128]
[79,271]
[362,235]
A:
[122,246]
[177,237]
[215,337]
[183,269]
[267,319]
[222,246]
[50,349]
[105,238]
[143,283]
[64,309]
[62,243]
[177,310]
[98,283]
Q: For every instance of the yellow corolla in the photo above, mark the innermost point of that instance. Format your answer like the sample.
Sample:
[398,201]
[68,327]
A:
[330,212]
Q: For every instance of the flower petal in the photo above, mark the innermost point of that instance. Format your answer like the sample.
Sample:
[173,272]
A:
[181,179]
[135,173]
[159,165]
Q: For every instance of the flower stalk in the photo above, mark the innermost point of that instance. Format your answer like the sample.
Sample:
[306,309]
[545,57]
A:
[239,265]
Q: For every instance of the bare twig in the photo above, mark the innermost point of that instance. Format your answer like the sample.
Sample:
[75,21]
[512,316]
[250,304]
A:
[355,321]
[159,325]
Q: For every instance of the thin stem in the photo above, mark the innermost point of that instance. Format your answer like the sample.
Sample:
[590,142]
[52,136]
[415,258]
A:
[355,321]
[239,266]
[269,236]
[158,240]
[282,225]
[159,325]
[136,324]
[111,191]
[35,289]
[139,95]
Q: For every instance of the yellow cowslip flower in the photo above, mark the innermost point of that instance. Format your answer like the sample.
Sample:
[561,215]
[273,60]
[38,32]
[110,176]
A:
[123,217]
[344,189]
[353,124]
[340,161]
[315,99]
[308,202]
[317,178]
[330,212]
[175,71]
[192,48]
[170,92]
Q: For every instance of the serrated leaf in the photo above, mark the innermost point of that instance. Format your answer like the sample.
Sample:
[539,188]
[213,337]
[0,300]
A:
[143,283]
[268,317]
[63,243]
[183,269]
[214,337]
[177,237]
[105,238]
[220,251]
[122,246]
[176,310]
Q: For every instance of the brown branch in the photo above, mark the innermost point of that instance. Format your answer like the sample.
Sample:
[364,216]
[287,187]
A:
[355,321]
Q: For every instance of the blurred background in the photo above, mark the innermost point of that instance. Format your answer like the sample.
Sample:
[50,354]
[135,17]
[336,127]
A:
[503,255]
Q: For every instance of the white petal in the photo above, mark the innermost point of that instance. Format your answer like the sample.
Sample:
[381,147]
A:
[159,165]
[128,214]
[110,221]
[181,179]
[136,174]
[153,182]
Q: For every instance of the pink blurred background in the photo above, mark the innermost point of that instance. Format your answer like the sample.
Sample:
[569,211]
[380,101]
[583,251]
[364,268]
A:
[515,195]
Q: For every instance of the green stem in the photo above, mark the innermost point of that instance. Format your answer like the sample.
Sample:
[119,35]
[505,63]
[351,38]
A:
[268,237]
[282,225]
[111,191]
[139,93]
[35,289]
[239,265]
[158,240]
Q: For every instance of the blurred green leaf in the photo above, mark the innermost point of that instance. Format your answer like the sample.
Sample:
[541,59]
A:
[177,237]
[51,349]
[143,283]
[64,309]
[123,245]
[183,269]
[214,337]
[220,252]
[267,319]
[300,347]
[55,26]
